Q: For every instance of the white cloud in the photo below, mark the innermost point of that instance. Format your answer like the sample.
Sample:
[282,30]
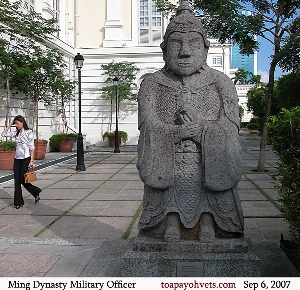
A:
[264,76]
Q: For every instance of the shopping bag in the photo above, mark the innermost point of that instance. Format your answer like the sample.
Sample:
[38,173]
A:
[30,176]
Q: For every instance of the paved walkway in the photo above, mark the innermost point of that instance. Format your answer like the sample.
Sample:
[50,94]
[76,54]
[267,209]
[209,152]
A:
[85,220]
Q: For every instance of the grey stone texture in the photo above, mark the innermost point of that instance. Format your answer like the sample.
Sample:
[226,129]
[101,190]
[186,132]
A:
[189,154]
[92,244]
[164,264]
[189,159]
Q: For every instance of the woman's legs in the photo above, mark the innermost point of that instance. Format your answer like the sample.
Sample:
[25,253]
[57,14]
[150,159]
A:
[18,198]
[20,168]
[34,190]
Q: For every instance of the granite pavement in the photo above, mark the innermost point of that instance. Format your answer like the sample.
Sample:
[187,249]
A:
[85,221]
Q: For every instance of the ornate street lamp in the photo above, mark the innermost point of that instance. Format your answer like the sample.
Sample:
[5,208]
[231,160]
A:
[117,149]
[78,60]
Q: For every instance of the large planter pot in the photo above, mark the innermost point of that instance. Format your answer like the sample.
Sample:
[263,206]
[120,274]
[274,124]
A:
[66,145]
[110,136]
[40,150]
[111,141]
[7,159]
[252,134]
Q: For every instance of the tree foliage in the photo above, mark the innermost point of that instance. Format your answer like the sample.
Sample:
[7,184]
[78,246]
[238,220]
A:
[286,96]
[40,77]
[289,55]
[287,91]
[243,77]
[240,22]
[16,23]
[257,101]
[28,61]
[126,73]
[241,111]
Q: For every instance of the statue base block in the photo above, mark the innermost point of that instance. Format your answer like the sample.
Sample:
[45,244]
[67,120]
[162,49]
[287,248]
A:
[190,264]
[142,244]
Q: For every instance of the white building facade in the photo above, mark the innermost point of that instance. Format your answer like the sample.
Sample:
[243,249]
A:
[103,31]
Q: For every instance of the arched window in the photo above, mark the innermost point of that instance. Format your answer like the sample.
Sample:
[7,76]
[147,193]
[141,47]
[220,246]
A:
[150,25]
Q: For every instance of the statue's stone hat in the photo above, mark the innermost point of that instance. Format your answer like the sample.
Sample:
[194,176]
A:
[185,21]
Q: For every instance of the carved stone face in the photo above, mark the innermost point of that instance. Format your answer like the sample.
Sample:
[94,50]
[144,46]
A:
[185,53]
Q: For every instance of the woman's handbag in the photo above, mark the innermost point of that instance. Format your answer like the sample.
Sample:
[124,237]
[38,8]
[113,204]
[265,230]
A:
[30,176]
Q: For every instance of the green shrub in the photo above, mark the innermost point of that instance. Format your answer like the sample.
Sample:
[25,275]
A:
[241,111]
[284,136]
[54,140]
[255,120]
[253,126]
[258,123]
[122,134]
[41,140]
[243,124]
[8,145]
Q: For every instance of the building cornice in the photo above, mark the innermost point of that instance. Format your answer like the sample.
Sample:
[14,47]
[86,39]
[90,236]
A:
[130,52]
[242,90]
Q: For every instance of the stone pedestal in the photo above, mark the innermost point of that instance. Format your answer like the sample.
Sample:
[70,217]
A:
[207,264]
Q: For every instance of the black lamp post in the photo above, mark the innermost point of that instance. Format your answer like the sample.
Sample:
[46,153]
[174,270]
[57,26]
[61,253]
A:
[117,149]
[78,60]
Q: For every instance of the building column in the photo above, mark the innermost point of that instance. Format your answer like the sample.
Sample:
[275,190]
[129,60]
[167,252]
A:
[226,56]
[135,22]
[113,26]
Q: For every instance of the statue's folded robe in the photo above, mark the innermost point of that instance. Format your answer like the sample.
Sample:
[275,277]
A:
[220,145]
[221,159]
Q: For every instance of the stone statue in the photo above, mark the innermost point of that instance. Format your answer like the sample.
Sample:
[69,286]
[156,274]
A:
[189,155]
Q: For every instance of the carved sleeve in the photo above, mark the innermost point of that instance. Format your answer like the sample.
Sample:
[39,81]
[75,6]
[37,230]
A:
[156,146]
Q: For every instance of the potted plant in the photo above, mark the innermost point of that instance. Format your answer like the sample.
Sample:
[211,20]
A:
[7,154]
[126,73]
[253,127]
[110,136]
[62,142]
[40,147]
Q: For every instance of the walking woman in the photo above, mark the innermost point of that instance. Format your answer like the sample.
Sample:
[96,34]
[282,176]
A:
[23,159]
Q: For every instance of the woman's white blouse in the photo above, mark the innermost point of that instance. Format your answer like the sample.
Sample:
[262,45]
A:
[24,142]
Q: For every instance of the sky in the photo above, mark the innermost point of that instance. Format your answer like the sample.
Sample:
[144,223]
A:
[263,60]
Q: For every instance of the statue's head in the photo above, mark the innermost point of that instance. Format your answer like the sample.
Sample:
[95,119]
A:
[185,45]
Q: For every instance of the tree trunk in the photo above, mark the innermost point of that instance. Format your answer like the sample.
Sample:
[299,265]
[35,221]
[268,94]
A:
[63,116]
[36,120]
[270,85]
[8,113]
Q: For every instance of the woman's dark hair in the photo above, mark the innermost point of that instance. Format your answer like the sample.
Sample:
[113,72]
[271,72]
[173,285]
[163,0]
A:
[22,120]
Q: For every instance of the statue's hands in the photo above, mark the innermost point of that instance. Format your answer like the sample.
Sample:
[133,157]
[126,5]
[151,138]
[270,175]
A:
[190,130]
[183,118]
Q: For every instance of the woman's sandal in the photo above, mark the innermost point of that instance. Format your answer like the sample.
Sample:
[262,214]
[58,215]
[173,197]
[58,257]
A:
[18,206]
[37,199]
